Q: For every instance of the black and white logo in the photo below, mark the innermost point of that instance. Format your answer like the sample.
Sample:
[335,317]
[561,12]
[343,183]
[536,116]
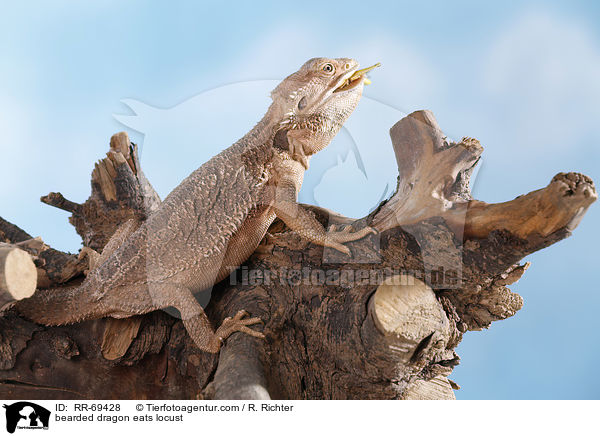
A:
[26,415]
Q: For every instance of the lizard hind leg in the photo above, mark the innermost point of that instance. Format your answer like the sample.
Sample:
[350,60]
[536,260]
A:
[200,330]
[197,323]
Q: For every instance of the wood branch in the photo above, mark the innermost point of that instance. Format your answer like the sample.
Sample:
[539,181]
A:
[434,173]
[66,363]
[57,200]
[120,192]
[337,327]
[500,235]
[53,267]
[240,374]
[560,205]
[10,233]
[121,199]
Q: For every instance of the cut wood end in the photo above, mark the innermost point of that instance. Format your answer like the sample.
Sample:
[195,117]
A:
[409,311]
[438,388]
[18,275]
[117,157]
[471,144]
[120,142]
[577,193]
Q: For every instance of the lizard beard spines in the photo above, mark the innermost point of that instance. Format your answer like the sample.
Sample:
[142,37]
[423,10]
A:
[317,123]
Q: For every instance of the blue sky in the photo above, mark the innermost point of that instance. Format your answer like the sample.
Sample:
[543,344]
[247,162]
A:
[522,77]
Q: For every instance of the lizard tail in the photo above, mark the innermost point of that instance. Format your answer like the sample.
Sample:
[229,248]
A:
[56,306]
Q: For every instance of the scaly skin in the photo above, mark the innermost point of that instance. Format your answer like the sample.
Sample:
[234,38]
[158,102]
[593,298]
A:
[214,220]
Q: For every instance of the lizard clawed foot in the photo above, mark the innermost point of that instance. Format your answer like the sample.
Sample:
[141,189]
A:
[337,235]
[302,159]
[238,324]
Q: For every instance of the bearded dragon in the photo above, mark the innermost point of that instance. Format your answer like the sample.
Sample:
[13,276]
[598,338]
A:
[215,219]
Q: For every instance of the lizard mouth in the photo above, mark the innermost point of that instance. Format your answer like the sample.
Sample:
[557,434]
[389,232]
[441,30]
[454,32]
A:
[355,78]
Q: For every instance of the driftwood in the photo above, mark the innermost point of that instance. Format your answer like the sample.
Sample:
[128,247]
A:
[381,324]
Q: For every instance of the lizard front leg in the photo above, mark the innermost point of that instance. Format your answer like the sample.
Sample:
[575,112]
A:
[96,259]
[306,225]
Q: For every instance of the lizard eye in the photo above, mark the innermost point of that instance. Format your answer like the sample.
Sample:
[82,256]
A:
[302,103]
[328,68]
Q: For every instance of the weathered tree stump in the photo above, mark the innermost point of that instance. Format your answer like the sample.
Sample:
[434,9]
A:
[380,324]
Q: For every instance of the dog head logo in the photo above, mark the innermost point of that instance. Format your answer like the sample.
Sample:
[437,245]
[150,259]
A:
[26,415]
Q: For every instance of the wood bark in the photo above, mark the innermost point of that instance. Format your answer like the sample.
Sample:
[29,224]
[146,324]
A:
[382,323]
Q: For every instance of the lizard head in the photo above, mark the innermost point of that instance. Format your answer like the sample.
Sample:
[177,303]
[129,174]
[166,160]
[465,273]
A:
[319,97]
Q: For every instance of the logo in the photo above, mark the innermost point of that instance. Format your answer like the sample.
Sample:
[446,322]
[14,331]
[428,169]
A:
[26,415]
